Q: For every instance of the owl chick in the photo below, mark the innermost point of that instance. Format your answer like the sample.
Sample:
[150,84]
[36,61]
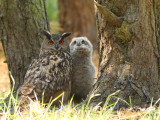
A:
[84,72]
[49,75]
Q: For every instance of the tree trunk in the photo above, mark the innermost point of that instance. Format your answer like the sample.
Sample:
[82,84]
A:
[157,22]
[128,32]
[78,17]
[20,24]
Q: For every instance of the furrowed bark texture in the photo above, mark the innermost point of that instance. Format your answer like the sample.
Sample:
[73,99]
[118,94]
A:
[157,22]
[20,24]
[129,52]
[78,17]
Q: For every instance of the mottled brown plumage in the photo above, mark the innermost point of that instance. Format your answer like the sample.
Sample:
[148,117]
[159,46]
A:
[50,73]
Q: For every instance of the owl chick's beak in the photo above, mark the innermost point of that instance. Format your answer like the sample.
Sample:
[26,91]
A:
[78,44]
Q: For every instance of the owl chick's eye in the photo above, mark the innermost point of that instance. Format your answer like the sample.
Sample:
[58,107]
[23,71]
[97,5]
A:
[74,42]
[50,42]
[61,42]
[83,42]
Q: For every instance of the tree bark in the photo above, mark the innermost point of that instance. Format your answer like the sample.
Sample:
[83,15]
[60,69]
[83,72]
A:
[128,32]
[78,17]
[20,24]
[157,22]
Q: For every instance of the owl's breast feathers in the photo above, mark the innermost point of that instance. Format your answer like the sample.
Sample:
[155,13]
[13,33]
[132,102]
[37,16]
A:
[50,73]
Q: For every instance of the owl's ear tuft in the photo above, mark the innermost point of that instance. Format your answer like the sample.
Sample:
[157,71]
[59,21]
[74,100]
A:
[64,35]
[46,34]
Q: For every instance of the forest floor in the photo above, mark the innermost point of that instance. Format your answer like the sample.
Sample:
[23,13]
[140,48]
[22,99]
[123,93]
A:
[35,111]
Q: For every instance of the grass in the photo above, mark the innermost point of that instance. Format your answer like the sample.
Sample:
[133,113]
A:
[37,111]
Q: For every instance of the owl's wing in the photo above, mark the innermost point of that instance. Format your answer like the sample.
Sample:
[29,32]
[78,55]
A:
[28,86]
[49,73]
[26,90]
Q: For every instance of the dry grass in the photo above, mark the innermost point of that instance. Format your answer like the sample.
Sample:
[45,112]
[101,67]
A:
[36,111]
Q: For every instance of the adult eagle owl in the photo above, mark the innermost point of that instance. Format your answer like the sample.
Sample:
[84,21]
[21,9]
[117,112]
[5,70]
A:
[49,75]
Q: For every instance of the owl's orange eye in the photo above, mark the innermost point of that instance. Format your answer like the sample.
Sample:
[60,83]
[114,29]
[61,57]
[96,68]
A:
[50,42]
[74,42]
[61,42]
[83,42]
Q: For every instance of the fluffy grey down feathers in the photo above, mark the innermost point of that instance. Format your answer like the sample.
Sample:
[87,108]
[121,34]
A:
[84,72]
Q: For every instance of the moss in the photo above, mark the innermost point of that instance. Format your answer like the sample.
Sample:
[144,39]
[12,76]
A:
[123,33]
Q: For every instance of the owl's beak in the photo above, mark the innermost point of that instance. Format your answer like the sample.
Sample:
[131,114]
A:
[56,46]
